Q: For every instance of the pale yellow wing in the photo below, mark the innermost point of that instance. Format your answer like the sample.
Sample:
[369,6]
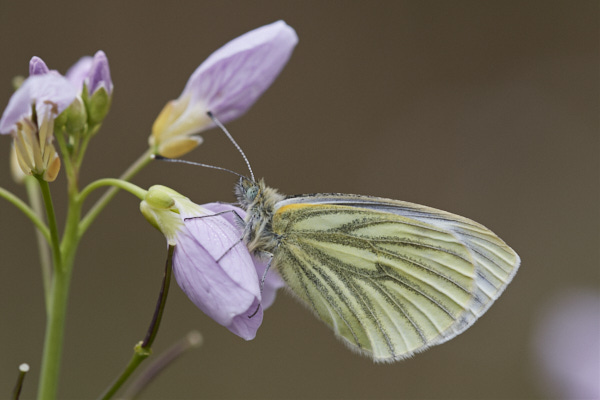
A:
[391,278]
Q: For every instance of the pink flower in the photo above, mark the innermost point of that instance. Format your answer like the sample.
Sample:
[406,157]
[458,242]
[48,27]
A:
[227,84]
[272,281]
[210,262]
[29,118]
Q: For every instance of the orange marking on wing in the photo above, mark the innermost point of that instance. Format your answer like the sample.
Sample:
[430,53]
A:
[295,207]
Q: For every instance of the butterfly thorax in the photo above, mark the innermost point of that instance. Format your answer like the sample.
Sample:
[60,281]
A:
[259,202]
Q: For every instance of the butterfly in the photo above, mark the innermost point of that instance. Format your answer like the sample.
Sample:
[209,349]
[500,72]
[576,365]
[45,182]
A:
[391,278]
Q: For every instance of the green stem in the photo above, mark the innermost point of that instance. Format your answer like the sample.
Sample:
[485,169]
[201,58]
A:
[109,194]
[59,293]
[54,241]
[168,357]
[161,302]
[29,213]
[63,257]
[83,144]
[35,199]
[53,341]
[143,349]
[23,369]
[121,184]
[66,155]
[139,355]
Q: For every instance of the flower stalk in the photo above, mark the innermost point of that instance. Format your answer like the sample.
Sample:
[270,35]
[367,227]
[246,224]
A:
[136,167]
[52,225]
[23,369]
[143,349]
[35,200]
[27,211]
[191,341]
[59,292]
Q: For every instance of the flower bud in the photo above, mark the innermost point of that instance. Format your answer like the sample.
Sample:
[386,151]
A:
[37,66]
[228,83]
[91,75]
[74,118]
[98,106]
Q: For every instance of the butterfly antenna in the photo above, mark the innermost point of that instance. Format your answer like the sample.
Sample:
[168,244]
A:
[220,125]
[176,160]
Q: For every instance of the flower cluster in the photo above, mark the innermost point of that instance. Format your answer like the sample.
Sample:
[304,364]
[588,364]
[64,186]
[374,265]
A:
[52,118]
[210,262]
[47,100]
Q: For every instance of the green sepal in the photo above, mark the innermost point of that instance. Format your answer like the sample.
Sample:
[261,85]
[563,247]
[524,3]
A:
[97,105]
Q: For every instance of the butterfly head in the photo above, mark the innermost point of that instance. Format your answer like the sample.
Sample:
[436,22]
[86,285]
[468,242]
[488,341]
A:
[251,195]
[246,192]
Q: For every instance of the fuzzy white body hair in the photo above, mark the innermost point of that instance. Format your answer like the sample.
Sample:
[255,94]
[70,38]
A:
[259,201]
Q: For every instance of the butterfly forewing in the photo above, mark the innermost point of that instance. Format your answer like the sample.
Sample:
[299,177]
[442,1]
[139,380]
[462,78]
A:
[387,284]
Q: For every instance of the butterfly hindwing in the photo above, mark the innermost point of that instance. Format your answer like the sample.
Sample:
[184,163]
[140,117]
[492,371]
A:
[387,284]
[495,262]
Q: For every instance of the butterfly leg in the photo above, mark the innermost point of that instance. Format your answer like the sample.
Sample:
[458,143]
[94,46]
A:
[229,249]
[264,276]
[262,284]
[239,218]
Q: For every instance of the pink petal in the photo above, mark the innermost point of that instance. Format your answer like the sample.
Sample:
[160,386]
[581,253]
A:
[233,77]
[79,71]
[48,90]
[217,273]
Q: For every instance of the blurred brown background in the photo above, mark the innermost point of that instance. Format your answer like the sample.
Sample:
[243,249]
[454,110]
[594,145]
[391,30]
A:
[488,109]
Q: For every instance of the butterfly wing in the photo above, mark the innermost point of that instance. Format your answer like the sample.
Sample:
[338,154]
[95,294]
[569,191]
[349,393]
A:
[391,278]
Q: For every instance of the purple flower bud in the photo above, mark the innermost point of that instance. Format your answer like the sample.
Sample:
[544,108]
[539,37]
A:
[99,75]
[94,72]
[37,66]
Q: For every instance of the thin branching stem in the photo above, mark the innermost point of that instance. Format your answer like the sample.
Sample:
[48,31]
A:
[190,341]
[52,225]
[110,193]
[35,200]
[23,369]
[143,349]
[25,209]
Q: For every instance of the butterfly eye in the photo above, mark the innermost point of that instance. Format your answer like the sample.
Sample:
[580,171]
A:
[251,193]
